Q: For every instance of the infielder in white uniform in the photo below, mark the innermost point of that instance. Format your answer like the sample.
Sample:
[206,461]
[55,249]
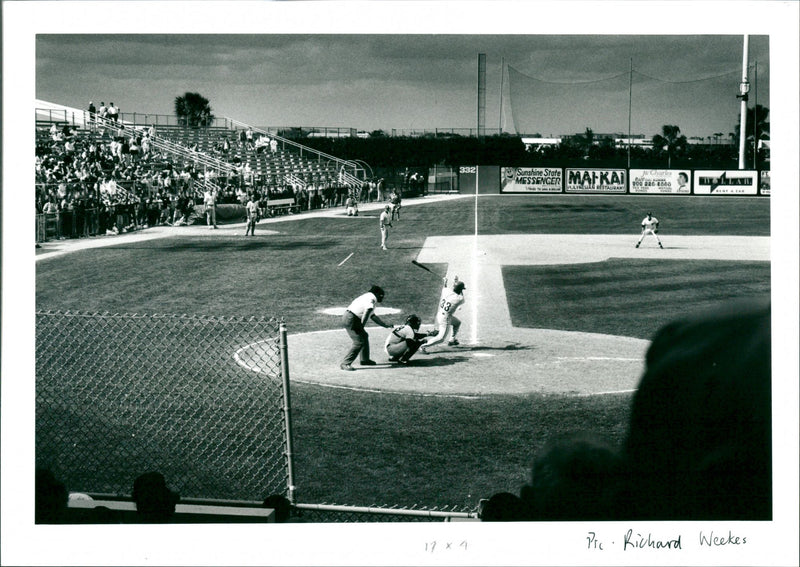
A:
[649,226]
[385,223]
[449,302]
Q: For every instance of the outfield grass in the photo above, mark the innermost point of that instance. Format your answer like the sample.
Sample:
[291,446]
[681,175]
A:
[365,448]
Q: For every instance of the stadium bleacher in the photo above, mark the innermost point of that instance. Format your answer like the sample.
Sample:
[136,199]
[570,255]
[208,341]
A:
[146,167]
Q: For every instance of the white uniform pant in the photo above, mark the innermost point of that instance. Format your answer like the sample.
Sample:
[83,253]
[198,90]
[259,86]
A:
[445,325]
[645,232]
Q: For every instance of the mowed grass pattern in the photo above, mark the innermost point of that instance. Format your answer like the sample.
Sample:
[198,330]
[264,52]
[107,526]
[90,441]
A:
[365,448]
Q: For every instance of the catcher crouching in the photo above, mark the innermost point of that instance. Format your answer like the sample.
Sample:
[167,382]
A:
[405,340]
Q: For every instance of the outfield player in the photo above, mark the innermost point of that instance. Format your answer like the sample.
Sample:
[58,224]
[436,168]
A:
[358,312]
[649,226]
[385,223]
[405,340]
[450,301]
[252,215]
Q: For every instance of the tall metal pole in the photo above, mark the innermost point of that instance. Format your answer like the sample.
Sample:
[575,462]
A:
[630,100]
[744,88]
[287,413]
[755,116]
[502,76]
[481,95]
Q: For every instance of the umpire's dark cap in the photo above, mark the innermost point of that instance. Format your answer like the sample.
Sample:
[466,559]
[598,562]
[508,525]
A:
[378,292]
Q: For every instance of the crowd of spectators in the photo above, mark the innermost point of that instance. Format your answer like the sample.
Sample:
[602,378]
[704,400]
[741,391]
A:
[103,181]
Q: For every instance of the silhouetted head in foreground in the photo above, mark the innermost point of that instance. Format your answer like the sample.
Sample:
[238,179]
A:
[699,441]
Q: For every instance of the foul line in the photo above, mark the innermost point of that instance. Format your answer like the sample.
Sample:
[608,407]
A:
[604,393]
[345,260]
[393,392]
[614,358]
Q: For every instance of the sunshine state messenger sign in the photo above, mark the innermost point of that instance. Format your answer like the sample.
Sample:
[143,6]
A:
[596,181]
[728,182]
[530,179]
[660,181]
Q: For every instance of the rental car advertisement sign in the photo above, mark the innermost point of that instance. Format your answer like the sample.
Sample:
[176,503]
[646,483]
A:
[596,181]
[530,179]
[660,181]
[726,182]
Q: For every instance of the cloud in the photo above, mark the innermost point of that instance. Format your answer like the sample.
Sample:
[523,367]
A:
[387,78]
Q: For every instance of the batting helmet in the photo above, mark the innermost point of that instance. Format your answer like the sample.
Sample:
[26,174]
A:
[458,287]
[413,321]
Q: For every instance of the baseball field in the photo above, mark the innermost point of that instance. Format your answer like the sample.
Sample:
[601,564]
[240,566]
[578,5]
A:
[560,306]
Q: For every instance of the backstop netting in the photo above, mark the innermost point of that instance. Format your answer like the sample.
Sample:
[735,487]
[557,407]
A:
[201,400]
[552,108]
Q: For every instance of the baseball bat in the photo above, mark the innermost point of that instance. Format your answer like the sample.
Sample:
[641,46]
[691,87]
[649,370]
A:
[424,267]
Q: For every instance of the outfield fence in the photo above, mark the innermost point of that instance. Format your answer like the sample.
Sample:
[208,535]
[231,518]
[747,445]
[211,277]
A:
[205,401]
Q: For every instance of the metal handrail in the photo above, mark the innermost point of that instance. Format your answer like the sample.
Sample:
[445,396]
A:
[295,180]
[163,143]
[87,120]
[350,179]
[301,148]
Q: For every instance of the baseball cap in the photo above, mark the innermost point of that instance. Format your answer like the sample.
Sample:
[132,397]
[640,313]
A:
[377,291]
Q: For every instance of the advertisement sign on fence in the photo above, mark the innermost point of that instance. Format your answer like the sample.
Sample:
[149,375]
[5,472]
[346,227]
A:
[660,181]
[764,183]
[596,181]
[530,179]
[725,182]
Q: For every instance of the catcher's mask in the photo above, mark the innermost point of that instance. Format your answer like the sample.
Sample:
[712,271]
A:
[414,322]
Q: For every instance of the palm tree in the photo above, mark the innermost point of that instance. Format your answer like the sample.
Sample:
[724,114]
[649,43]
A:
[757,124]
[193,110]
[669,140]
[586,142]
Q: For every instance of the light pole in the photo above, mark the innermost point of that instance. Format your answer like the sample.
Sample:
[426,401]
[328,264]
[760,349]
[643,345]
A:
[744,88]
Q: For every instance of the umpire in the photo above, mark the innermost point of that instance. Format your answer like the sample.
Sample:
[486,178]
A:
[353,321]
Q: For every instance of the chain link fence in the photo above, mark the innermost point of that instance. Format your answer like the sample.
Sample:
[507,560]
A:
[205,401]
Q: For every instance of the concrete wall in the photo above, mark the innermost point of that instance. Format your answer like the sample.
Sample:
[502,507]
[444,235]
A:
[487,177]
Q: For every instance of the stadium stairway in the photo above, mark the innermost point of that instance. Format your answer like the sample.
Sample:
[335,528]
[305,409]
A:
[303,164]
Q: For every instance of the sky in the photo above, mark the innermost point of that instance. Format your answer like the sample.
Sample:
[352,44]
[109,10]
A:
[414,81]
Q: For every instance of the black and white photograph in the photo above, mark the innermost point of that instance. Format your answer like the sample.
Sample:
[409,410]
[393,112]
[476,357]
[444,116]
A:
[425,283]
